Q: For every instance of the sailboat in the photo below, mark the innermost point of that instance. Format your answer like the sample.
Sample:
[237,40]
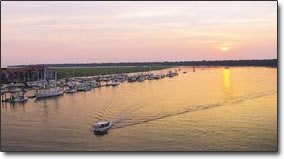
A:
[50,92]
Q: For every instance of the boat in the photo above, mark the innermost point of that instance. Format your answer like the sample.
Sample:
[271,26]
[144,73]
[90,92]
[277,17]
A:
[172,74]
[97,85]
[157,77]
[84,88]
[14,85]
[16,90]
[4,91]
[101,127]
[71,90]
[151,77]
[132,79]
[49,93]
[114,83]
[108,84]
[18,99]
[141,79]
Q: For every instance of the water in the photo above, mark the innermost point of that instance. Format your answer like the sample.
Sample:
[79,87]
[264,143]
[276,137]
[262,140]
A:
[211,109]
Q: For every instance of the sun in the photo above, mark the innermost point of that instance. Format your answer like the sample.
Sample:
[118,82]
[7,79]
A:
[225,48]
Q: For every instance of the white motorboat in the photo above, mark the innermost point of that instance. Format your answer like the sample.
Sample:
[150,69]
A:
[115,83]
[49,93]
[71,90]
[18,99]
[101,127]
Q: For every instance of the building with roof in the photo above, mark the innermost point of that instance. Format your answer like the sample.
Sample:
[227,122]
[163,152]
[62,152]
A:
[26,74]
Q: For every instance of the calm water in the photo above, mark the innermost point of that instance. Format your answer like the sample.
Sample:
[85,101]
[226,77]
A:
[211,109]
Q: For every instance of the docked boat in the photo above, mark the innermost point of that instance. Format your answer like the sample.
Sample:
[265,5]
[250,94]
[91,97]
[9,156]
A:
[108,84]
[114,83]
[49,93]
[141,79]
[16,90]
[132,79]
[151,77]
[4,91]
[71,90]
[18,99]
[157,76]
[97,85]
[101,127]
[85,88]
[172,74]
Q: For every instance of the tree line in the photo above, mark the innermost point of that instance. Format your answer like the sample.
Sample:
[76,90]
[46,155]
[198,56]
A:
[265,62]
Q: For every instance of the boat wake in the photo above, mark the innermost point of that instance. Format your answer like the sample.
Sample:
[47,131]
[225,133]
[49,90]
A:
[120,123]
[122,116]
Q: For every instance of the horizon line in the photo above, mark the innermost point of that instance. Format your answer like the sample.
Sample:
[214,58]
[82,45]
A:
[137,62]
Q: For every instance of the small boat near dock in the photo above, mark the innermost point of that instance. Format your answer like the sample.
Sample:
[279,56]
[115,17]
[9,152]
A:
[71,90]
[18,99]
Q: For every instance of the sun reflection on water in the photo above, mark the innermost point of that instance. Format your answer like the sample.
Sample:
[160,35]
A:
[227,81]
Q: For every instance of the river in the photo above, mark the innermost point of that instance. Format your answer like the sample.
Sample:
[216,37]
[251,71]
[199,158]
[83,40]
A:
[209,109]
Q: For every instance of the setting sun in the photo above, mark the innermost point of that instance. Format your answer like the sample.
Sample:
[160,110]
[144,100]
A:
[225,48]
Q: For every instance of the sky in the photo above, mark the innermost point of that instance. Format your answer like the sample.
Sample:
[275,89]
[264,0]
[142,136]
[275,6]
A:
[97,32]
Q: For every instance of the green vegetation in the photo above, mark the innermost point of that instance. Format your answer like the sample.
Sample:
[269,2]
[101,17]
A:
[67,72]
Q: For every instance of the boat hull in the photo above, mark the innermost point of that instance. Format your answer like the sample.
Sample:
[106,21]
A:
[41,96]
[19,100]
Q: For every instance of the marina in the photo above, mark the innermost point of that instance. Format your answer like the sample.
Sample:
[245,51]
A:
[51,88]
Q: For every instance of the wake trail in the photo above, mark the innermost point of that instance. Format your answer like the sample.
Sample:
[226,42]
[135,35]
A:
[122,116]
[190,109]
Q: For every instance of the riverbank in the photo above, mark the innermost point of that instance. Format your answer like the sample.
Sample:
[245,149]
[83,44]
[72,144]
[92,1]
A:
[68,72]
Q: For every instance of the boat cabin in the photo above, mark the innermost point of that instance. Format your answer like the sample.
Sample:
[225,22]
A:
[101,125]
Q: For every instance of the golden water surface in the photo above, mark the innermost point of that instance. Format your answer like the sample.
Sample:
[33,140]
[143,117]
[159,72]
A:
[211,109]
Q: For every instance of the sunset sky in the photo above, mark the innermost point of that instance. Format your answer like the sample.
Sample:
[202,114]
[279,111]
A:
[87,32]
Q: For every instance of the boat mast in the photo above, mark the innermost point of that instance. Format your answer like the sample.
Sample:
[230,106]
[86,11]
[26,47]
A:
[55,79]
[44,78]
[73,73]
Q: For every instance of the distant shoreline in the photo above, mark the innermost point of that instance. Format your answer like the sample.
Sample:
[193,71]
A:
[265,62]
